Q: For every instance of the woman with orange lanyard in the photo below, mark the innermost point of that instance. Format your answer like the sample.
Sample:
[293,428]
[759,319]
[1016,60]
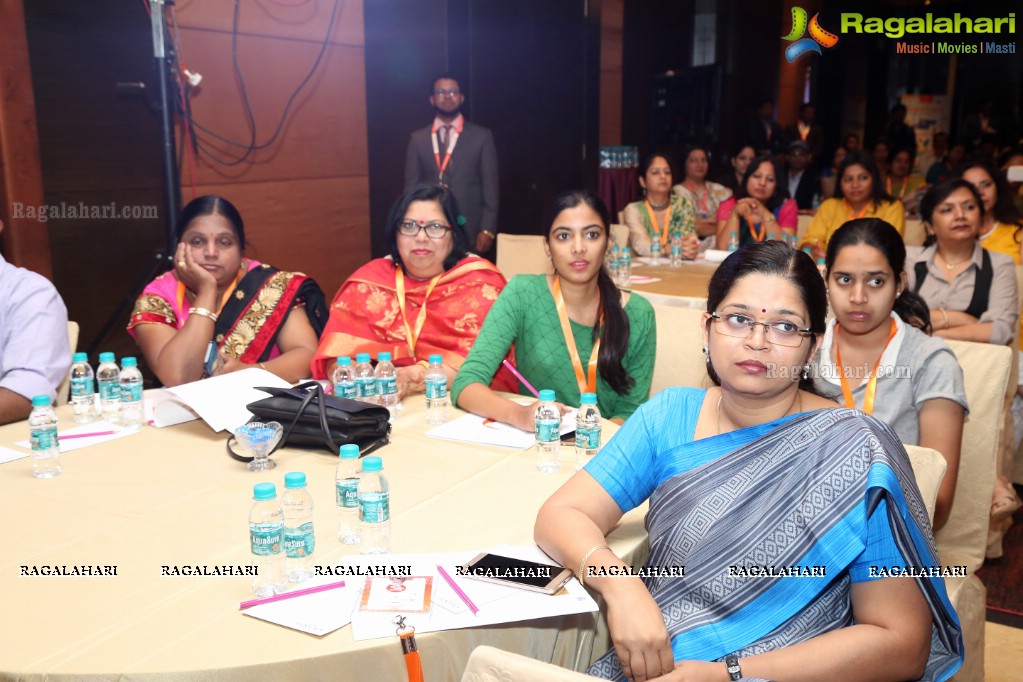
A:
[704,195]
[878,355]
[760,209]
[218,311]
[573,330]
[428,297]
[661,213]
[860,193]
[902,183]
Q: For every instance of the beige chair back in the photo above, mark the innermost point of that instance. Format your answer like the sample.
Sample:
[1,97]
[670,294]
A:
[521,254]
[679,360]
[963,540]
[802,224]
[487,664]
[914,233]
[63,388]
[929,468]
[620,234]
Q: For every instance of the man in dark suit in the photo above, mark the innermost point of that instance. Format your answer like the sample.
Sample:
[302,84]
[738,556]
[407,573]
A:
[762,132]
[802,180]
[462,156]
[808,130]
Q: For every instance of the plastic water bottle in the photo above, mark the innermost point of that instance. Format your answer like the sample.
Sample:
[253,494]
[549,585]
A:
[365,380]
[374,507]
[42,428]
[266,537]
[815,202]
[587,430]
[83,388]
[822,267]
[387,384]
[347,488]
[131,393]
[108,378]
[548,434]
[613,267]
[344,379]
[299,539]
[733,241]
[655,252]
[676,250]
[625,267]
[436,392]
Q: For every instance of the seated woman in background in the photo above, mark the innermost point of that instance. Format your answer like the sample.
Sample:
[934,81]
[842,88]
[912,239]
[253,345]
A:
[902,183]
[881,153]
[429,296]
[829,176]
[1001,228]
[661,214]
[970,291]
[704,195]
[219,311]
[573,331]
[748,477]
[732,178]
[878,356]
[760,209]
[859,194]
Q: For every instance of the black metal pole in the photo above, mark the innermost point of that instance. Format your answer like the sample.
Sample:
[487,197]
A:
[171,188]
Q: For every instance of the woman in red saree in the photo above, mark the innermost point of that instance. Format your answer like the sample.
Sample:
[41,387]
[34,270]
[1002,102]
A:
[429,296]
[218,311]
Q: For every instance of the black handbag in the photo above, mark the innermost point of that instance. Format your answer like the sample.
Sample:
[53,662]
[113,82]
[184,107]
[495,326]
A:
[313,419]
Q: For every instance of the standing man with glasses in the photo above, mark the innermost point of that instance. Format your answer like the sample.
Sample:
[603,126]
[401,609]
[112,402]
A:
[460,155]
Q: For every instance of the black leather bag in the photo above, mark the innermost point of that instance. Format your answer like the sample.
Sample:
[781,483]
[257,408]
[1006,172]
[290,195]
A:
[313,419]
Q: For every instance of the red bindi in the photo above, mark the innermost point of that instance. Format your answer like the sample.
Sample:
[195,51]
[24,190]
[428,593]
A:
[763,310]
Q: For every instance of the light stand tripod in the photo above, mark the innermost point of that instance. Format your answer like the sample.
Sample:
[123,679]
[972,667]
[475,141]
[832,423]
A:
[171,189]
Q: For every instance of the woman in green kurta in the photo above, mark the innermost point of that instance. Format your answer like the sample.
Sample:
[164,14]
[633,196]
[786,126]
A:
[611,340]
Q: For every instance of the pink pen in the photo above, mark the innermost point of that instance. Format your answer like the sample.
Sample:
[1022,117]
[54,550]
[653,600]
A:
[521,378]
[289,595]
[458,590]
[87,435]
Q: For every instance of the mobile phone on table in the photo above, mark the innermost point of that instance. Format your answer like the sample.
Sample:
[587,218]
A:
[209,363]
[504,570]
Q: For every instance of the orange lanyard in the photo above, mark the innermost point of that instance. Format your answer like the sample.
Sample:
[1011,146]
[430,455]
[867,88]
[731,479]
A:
[223,299]
[852,214]
[868,395]
[758,234]
[409,650]
[454,132]
[902,188]
[411,337]
[696,195]
[659,235]
[804,131]
[588,381]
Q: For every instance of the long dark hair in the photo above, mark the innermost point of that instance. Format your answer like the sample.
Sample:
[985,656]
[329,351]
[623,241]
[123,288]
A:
[886,239]
[773,258]
[780,193]
[937,194]
[1004,210]
[212,205]
[878,193]
[614,334]
[444,197]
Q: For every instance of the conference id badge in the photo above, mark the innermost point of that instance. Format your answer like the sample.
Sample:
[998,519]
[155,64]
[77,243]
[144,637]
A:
[406,594]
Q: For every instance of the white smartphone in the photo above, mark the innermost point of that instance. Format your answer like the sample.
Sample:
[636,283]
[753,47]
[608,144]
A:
[504,570]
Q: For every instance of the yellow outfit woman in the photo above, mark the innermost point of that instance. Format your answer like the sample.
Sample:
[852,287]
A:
[1002,238]
[834,213]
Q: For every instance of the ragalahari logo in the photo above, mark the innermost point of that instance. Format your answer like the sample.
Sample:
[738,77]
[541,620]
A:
[818,36]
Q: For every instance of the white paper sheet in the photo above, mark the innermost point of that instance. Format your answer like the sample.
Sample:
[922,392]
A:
[471,428]
[163,408]
[715,255]
[317,613]
[8,455]
[220,401]
[68,444]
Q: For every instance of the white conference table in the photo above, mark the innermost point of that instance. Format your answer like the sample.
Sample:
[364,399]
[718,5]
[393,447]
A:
[173,497]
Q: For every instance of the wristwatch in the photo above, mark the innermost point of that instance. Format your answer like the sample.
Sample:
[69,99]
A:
[732,665]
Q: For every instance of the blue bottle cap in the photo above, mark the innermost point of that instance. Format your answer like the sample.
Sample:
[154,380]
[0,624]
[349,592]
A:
[362,357]
[80,357]
[344,361]
[436,359]
[350,451]
[384,356]
[40,401]
[106,357]
[264,491]
[547,395]
[129,362]
[294,479]
[371,464]
[588,399]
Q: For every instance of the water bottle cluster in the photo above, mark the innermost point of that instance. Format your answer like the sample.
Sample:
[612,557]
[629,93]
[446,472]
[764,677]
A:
[362,381]
[547,420]
[120,390]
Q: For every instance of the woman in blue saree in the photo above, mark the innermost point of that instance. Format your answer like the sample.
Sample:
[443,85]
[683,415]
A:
[790,515]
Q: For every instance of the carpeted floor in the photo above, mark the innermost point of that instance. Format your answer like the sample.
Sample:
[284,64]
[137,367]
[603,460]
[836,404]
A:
[1003,578]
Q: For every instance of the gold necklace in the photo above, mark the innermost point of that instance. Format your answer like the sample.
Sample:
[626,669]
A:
[949,264]
[799,401]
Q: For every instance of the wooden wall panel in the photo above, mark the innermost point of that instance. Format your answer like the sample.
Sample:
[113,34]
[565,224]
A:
[612,29]
[303,21]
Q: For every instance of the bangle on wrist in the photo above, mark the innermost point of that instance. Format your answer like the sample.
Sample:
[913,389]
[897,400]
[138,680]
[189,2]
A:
[945,314]
[586,557]
[488,233]
[203,312]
